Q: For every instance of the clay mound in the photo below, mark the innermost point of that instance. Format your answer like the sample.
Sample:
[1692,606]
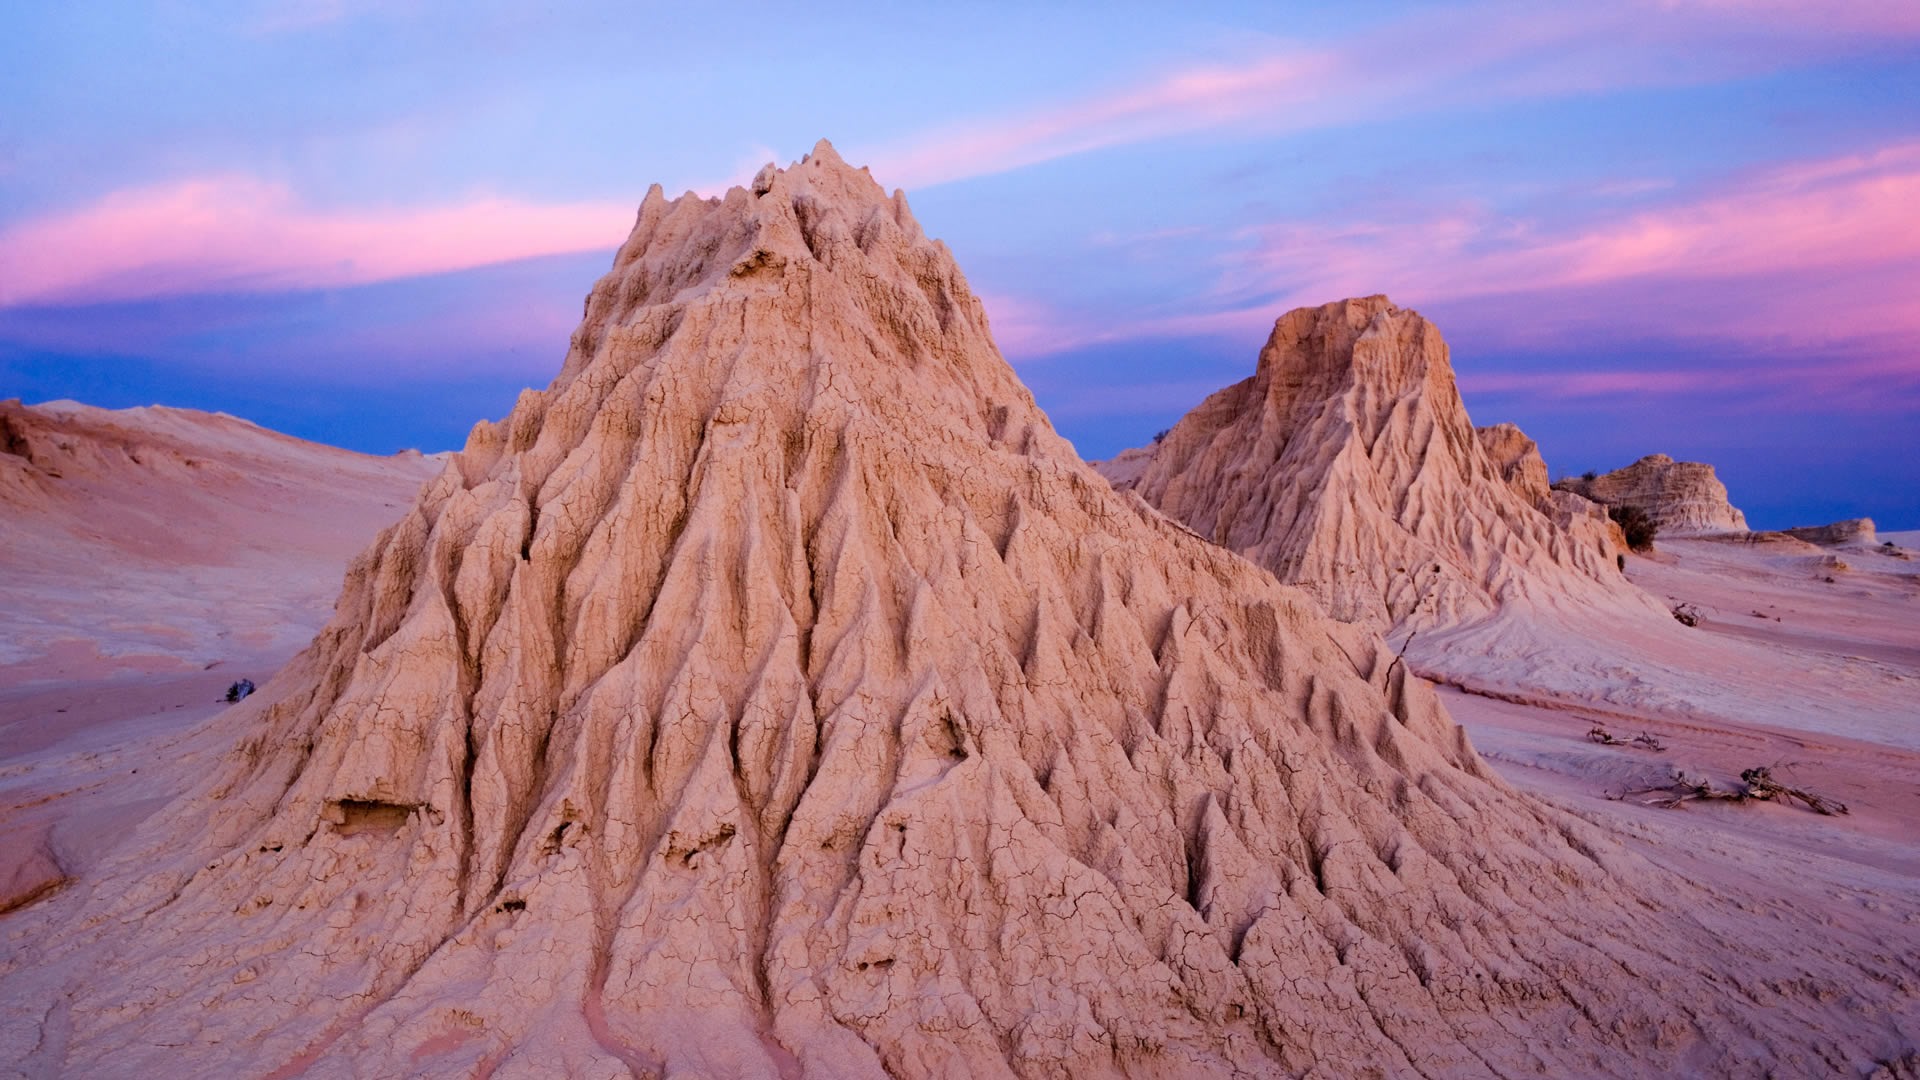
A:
[1347,465]
[1517,459]
[776,694]
[1683,498]
[192,535]
[1853,531]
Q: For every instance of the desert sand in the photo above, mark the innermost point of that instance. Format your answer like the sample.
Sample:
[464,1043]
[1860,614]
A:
[164,540]
[150,558]
[776,694]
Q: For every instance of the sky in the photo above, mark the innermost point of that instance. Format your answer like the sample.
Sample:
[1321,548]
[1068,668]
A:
[1678,226]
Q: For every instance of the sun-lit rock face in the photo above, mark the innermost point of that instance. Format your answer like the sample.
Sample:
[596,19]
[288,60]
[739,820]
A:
[1682,497]
[1347,465]
[1517,459]
[777,695]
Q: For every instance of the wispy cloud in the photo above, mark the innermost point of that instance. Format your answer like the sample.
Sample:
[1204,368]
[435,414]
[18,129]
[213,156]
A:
[234,233]
[1186,100]
[1487,53]
[1861,385]
[1877,18]
[298,16]
[1814,238]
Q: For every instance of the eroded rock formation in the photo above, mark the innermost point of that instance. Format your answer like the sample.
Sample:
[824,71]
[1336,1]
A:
[776,694]
[1682,497]
[1518,460]
[1851,531]
[1347,464]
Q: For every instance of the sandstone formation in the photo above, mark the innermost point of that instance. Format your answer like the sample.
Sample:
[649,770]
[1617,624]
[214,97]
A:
[1517,459]
[1682,497]
[1347,464]
[197,535]
[1852,531]
[777,695]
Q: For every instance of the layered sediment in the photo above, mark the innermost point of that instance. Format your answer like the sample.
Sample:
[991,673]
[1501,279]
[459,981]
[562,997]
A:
[776,694]
[1683,498]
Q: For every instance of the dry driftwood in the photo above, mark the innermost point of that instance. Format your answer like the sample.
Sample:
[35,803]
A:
[1756,785]
[1761,785]
[1642,741]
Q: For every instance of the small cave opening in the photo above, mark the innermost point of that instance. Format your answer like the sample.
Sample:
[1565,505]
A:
[352,817]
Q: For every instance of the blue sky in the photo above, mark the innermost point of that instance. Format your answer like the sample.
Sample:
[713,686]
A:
[1657,225]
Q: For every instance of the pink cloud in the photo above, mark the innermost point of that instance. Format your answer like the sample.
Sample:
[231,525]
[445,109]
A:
[241,234]
[1026,328]
[1864,384]
[1183,101]
[1491,52]
[1843,228]
[1585,384]
[1879,18]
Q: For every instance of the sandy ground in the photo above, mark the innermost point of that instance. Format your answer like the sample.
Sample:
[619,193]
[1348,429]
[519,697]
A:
[155,539]
[149,558]
[1838,628]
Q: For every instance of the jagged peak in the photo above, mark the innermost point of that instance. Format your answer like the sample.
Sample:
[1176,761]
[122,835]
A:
[1349,457]
[781,209]
[790,227]
[1325,337]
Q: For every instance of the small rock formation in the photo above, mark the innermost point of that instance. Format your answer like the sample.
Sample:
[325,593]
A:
[29,869]
[1123,469]
[777,695]
[1347,465]
[1852,531]
[1519,462]
[1682,497]
[1517,459]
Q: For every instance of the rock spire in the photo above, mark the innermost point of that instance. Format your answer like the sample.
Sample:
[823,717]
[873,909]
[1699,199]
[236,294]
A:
[1346,464]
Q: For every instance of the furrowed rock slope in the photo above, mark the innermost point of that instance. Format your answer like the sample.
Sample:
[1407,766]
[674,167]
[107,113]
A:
[1682,497]
[1347,465]
[777,695]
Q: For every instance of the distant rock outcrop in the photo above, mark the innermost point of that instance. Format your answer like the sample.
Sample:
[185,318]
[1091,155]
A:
[1852,531]
[777,695]
[1347,465]
[1682,497]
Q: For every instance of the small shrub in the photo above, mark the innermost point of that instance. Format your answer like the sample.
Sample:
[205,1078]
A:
[1589,476]
[1162,434]
[1638,527]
